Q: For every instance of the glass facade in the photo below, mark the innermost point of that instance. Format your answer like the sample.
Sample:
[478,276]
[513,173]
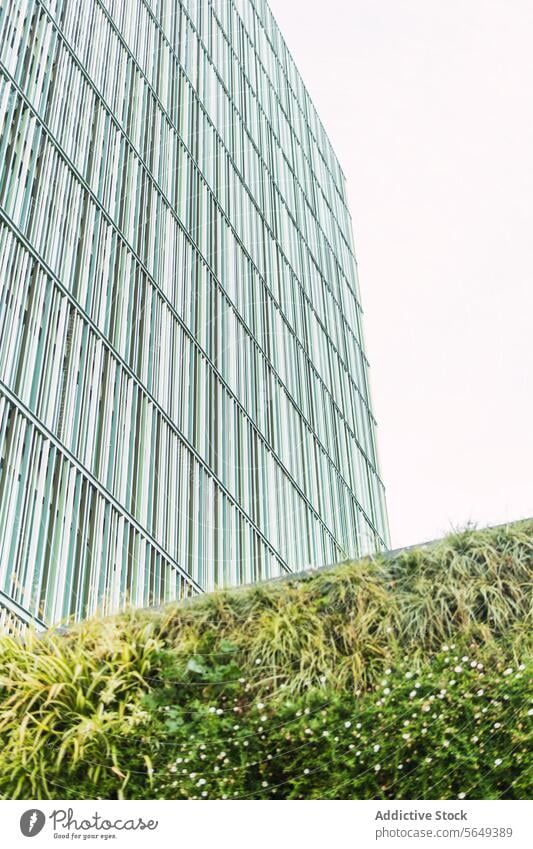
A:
[184,396]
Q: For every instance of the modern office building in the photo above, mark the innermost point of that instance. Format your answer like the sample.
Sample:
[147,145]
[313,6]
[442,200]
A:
[183,385]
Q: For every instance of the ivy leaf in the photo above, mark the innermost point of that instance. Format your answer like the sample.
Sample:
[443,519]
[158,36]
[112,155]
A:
[194,666]
[226,645]
[174,724]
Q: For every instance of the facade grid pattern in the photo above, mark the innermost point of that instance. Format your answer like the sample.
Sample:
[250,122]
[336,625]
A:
[184,398]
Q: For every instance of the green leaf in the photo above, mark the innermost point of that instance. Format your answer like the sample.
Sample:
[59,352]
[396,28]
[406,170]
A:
[194,666]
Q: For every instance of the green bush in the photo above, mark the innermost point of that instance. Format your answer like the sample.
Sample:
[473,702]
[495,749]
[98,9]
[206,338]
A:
[285,689]
[453,726]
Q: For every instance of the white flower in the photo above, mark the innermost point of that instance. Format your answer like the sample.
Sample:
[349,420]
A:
[408,674]
[260,706]
[377,767]
[497,761]
[530,712]
[201,781]
[386,690]
[461,795]
[480,692]
[258,661]
[264,784]
[458,669]
[445,648]
[388,671]
[347,724]
[508,671]
[377,747]
[412,694]
[306,771]
[406,736]
[473,664]
[497,725]
[219,711]
[475,738]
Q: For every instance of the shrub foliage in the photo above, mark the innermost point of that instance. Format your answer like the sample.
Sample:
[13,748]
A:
[402,677]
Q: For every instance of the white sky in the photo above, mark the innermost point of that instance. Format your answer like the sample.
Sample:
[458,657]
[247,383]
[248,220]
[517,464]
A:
[428,105]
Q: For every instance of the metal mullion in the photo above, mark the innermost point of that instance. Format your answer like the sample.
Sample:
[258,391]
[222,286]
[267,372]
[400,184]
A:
[238,239]
[98,488]
[149,275]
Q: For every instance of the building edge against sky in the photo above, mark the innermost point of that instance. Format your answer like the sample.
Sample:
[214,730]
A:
[184,395]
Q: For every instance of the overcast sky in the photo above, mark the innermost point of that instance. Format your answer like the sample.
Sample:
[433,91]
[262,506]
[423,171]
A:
[428,105]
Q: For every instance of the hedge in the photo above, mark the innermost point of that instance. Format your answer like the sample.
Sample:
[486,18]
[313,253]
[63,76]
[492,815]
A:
[393,677]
